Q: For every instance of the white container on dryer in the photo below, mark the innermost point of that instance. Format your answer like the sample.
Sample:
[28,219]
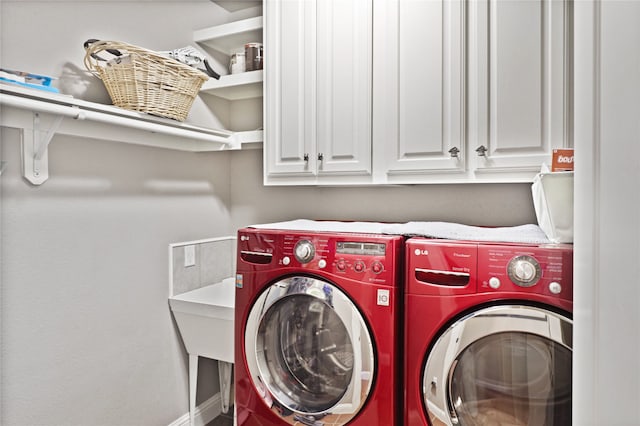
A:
[553,202]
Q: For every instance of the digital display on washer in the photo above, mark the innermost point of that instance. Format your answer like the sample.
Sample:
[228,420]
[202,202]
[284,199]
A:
[367,249]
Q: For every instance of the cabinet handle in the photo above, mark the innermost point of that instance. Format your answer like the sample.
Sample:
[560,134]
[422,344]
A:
[482,151]
[306,158]
[454,152]
[320,157]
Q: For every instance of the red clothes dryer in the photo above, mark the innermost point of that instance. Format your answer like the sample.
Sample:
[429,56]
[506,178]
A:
[317,321]
[488,333]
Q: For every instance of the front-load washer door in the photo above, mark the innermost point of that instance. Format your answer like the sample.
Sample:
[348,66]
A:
[501,365]
[309,351]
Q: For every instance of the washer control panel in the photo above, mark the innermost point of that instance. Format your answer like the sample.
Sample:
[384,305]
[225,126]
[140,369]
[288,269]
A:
[363,257]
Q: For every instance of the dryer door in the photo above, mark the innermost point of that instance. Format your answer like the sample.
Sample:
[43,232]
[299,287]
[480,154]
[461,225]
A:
[501,365]
[309,351]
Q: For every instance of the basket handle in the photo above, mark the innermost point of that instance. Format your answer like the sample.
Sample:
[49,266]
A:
[114,52]
[210,70]
[93,48]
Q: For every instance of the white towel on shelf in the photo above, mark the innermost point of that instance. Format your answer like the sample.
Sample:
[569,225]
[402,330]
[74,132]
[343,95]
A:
[531,234]
[325,226]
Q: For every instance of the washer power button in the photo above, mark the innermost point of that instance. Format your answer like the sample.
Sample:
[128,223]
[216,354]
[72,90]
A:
[494,282]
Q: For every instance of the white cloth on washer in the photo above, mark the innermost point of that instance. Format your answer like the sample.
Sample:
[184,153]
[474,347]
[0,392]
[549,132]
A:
[325,226]
[531,234]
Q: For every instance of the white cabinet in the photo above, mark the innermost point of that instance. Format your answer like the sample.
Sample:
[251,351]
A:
[289,111]
[472,91]
[418,91]
[402,92]
[318,91]
[519,86]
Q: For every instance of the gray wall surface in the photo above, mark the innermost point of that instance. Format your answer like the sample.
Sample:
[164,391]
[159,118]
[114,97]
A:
[472,204]
[87,336]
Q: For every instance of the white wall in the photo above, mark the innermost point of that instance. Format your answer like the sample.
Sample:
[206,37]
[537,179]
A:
[607,214]
[87,334]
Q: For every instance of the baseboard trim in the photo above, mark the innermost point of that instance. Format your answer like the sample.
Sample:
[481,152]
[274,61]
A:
[204,413]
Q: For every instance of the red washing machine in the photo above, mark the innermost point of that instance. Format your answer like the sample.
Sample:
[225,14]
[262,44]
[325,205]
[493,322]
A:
[488,333]
[317,321]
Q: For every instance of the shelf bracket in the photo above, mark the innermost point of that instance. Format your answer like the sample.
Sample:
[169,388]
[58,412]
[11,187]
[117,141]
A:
[35,149]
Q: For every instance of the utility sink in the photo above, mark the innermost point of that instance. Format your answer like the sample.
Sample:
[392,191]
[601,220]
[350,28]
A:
[205,320]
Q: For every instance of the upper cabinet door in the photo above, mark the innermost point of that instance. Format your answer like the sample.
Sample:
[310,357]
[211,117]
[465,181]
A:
[518,84]
[344,78]
[318,76]
[289,92]
[419,88]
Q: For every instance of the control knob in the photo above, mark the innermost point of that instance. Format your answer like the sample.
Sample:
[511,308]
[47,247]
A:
[304,251]
[524,271]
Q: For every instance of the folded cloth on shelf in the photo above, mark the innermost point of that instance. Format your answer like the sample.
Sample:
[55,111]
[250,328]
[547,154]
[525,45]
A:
[531,234]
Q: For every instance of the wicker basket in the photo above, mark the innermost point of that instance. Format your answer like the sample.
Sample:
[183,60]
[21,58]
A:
[138,79]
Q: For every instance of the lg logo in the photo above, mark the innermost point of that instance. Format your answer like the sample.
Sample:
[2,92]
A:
[383,297]
[419,252]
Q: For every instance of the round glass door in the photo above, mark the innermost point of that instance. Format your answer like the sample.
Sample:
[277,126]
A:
[309,351]
[501,365]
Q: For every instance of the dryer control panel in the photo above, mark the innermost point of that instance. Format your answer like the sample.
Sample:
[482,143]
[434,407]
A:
[541,269]
[370,258]
[446,267]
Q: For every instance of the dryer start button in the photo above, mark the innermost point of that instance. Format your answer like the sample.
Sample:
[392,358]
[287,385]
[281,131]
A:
[555,287]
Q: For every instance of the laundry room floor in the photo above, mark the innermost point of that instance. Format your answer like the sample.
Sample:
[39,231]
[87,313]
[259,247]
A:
[224,419]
